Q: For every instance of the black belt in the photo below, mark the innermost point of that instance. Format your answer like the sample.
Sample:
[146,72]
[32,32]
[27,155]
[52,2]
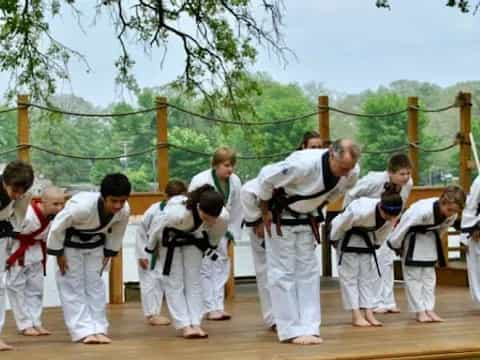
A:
[85,238]
[411,247]
[252,223]
[173,238]
[370,249]
[6,229]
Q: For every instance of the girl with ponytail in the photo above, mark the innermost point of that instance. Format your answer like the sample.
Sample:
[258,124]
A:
[372,185]
[188,229]
[357,232]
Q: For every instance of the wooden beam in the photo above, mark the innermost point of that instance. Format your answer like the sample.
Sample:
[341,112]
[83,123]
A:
[116,279]
[412,129]
[465,100]
[324,120]
[230,285]
[324,129]
[162,138]
[23,128]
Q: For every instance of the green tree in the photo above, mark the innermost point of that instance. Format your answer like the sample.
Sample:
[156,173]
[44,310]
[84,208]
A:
[218,38]
[379,134]
[8,133]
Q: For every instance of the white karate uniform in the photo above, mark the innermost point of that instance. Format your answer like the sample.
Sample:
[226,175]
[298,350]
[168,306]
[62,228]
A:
[357,271]
[372,186]
[471,221]
[14,212]
[183,288]
[81,289]
[215,273]
[151,280]
[420,256]
[293,271]
[25,283]
[251,214]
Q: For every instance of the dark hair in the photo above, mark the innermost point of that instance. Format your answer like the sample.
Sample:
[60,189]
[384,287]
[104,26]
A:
[399,161]
[453,195]
[18,174]
[175,187]
[306,138]
[390,201]
[207,199]
[115,184]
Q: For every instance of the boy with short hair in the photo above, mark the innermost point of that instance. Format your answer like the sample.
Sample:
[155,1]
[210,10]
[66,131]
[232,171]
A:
[15,181]
[152,288]
[27,260]
[83,237]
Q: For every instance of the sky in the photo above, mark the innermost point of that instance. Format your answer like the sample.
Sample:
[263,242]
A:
[348,46]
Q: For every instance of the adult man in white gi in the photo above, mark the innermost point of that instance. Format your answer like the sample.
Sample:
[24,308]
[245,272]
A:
[252,218]
[83,237]
[292,193]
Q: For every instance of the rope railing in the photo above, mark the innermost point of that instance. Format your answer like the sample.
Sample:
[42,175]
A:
[206,154]
[3,111]
[321,109]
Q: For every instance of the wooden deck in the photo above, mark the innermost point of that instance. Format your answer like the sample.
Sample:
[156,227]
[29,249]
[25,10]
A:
[245,338]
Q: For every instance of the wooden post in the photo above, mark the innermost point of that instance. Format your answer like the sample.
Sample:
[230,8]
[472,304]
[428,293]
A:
[116,279]
[162,138]
[230,285]
[23,128]
[324,120]
[412,129]
[324,129]
[465,100]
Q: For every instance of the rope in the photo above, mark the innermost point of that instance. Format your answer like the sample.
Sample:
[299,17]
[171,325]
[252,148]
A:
[445,108]
[447,147]
[64,112]
[247,123]
[387,151]
[205,154]
[233,122]
[134,154]
[8,110]
[84,157]
[393,113]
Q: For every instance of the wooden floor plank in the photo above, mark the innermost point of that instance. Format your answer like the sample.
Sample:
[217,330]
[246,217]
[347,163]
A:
[245,338]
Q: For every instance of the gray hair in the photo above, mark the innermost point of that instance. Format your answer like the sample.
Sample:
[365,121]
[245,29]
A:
[342,146]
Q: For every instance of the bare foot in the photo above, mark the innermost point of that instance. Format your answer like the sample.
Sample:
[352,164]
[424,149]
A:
[371,318]
[218,315]
[306,340]
[358,319]
[158,320]
[433,316]
[422,317]
[31,331]
[103,339]
[4,346]
[90,340]
[394,310]
[188,332]
[201,333]
[42,331]
[380,311]
[361,322]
